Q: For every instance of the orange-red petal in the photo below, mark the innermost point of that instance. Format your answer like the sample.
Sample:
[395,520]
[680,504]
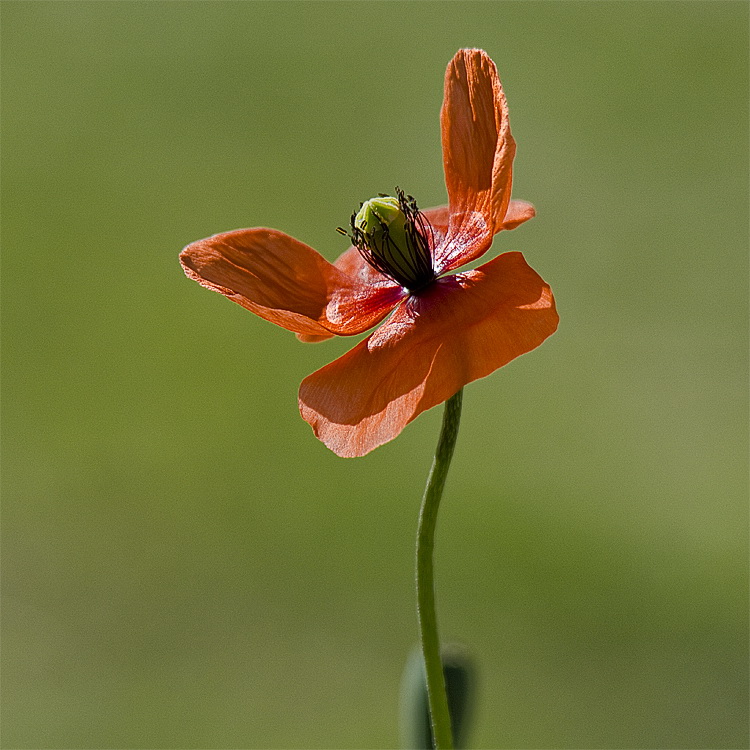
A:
[518,212]
[353,263]
[309,338]
[286,282]
[478,151]
[461,328]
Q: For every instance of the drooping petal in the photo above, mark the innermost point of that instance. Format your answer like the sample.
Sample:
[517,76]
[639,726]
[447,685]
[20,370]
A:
[286,282]
[478,151]
[461,328]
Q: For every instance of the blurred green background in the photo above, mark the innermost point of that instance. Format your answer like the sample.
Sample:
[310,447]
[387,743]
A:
[185,566]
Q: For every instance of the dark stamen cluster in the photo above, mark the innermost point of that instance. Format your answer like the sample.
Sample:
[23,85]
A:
[406,257]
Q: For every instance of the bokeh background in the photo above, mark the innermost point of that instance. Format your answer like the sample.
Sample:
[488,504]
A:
[185,566]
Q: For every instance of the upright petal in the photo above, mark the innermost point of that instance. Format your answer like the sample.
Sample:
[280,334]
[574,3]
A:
[459,329]
[286,282]
[478,151]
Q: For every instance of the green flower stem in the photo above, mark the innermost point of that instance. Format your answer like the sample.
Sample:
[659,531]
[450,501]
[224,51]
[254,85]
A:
[428,631]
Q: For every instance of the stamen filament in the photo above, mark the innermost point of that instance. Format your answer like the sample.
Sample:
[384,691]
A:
[396,239]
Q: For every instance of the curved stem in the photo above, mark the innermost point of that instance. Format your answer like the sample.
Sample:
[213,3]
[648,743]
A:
[428,632]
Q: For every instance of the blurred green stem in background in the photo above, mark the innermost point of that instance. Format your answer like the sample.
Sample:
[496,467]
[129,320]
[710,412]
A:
[428,632]
[415,727]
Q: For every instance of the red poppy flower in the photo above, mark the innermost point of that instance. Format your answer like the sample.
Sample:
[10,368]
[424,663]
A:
[445,330]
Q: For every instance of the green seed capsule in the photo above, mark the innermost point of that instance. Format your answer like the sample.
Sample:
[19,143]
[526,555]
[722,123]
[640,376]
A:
[394,237]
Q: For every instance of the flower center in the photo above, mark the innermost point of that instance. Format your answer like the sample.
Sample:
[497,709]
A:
[395,238]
